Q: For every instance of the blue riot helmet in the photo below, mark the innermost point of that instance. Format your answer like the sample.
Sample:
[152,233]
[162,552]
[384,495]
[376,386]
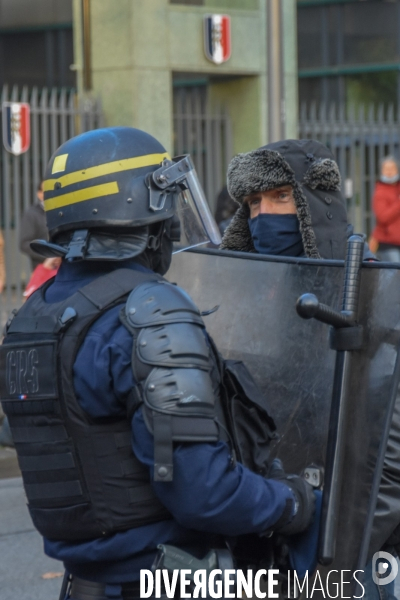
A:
[113,193]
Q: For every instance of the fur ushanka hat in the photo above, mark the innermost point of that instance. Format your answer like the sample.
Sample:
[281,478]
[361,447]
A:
[309,167]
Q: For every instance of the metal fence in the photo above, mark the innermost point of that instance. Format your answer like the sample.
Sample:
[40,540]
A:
[56,116]
[359,139]
[205,134]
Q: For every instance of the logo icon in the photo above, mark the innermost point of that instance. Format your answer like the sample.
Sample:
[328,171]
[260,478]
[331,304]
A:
[380,566]
[217,38]
[16,127]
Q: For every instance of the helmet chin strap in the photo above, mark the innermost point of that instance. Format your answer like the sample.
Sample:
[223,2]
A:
[84,244]
[78,245]
[93,244]
[159,247]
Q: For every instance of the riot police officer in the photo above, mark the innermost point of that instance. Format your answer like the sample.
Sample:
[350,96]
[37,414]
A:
[111,385]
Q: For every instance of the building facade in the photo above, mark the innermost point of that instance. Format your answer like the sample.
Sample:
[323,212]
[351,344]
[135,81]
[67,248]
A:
[349,51]
[36,43]
[147,62]
[144,50]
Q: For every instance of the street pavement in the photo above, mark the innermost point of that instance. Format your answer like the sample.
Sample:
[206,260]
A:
[22,560]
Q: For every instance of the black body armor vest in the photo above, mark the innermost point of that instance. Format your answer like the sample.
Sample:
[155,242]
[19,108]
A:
[81,477]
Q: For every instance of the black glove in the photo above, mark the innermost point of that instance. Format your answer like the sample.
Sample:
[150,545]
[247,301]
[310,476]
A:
[304,499]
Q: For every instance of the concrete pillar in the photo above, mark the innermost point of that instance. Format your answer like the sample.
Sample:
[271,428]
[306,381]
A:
[138,45]
[290,77]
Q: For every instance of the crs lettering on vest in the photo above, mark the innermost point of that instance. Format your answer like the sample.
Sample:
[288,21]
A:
[28,371]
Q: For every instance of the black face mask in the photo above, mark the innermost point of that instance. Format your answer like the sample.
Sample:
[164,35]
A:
[276,234]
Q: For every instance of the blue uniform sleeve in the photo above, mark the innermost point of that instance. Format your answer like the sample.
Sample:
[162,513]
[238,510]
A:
[103,375]
[206,493]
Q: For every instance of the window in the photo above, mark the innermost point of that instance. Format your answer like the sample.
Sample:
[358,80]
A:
[348,34]
[39,58]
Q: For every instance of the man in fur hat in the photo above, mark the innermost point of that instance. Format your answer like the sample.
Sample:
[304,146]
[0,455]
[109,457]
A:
[290,204]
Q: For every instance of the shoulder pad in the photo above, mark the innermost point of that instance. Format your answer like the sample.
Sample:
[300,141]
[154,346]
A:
[180,392]
[158,303]
[174,345]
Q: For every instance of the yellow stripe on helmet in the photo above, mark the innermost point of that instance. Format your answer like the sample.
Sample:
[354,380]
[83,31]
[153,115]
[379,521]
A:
[96,191]
[106,169]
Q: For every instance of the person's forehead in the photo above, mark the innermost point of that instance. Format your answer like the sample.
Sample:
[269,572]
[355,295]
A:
[271,191]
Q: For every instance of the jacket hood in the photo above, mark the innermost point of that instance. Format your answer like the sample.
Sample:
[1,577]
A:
[309,167]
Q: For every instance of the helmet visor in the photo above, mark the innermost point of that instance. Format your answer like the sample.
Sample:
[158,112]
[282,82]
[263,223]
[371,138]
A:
[197,225]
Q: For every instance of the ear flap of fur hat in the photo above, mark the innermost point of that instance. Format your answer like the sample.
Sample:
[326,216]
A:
[237,235]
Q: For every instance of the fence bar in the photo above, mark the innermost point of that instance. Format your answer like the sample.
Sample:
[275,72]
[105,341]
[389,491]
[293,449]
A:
[204,132]
[54,118]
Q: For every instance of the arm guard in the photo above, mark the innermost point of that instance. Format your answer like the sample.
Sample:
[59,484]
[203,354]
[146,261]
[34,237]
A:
[172,364]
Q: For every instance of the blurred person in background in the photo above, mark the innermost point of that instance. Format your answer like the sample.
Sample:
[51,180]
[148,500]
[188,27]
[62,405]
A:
[41,274]
[33,227]
[386,206]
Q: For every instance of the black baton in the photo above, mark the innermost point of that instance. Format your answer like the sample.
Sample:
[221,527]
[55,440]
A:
[345,337]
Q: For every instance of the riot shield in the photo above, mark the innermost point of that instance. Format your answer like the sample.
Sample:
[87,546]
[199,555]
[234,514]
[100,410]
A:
[293,363]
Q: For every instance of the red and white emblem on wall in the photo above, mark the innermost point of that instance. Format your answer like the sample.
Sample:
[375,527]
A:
[217,38]
[16,127]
